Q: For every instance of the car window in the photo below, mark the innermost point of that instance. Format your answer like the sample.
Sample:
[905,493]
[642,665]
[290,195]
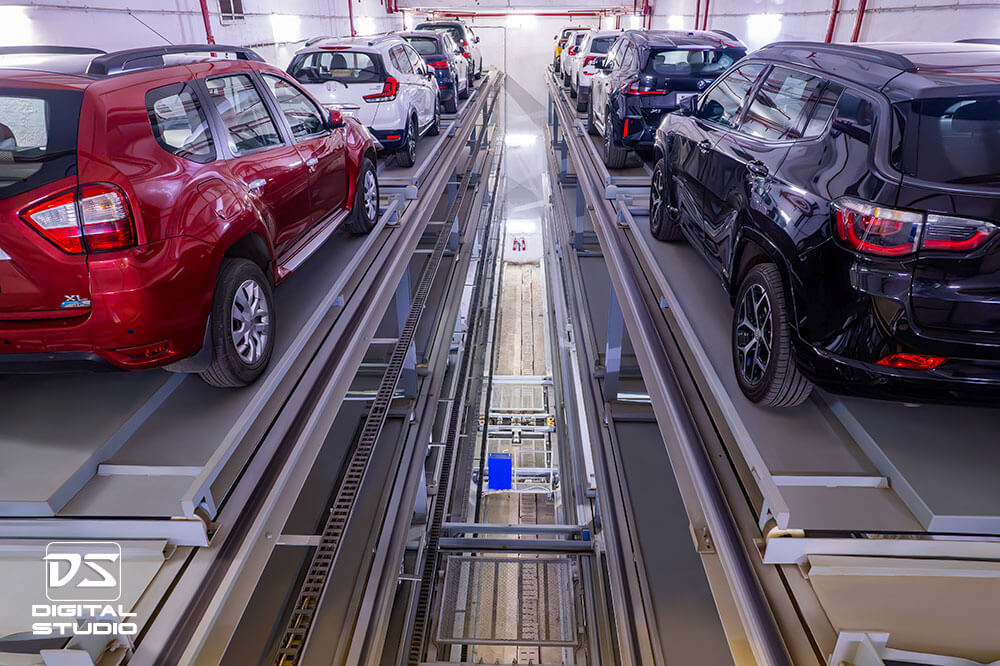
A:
[248,123]
[343,66]
[601,45]
[38,137]
[823,109]
[449,44]
[723,102]
[631,59]
[399,60]
[613,52]
[693,62]
[854,120]
[302,114]
[423,45]
[416,62]
[179,123]
[620,54]
[779,109]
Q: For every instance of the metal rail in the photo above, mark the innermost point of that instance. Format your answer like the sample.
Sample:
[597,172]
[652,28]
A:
[668,399]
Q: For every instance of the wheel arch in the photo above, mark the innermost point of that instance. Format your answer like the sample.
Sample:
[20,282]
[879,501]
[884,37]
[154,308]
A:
[752,250]
[255,248]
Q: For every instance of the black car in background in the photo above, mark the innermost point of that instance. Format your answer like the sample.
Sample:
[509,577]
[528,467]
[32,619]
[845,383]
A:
[466,40]
[848,196]
[646,74]
[442,55]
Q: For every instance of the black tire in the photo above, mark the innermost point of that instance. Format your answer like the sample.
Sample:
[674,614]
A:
[464,93]
[581,103]
[615,156]
[407,155]
[572,90]
[591,127]
[364,215]
[231,366]
[479,72]
[435,127]
[663,214]
[565,80]
[451,106]
[555,64]
[472,78]
[777,382]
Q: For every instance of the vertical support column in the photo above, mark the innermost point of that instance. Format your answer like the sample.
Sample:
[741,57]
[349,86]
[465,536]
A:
[613,348]
[580,220]
[408,378]
[452,188]
[453,236]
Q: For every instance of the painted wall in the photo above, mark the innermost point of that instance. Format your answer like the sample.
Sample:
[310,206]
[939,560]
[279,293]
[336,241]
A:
[276,30]
[761,21]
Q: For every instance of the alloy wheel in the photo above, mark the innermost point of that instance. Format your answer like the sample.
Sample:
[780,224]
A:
[370,195]
[754,333]
[251,320]
[656,196]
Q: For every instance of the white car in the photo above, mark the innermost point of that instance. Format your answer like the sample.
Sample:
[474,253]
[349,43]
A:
[382,81]
[573,43]
[595,45]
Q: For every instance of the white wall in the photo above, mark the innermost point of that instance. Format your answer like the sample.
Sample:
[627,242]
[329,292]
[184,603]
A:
[885,20]
[275,29]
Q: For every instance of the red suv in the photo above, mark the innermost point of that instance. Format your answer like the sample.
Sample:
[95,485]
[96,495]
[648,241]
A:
[151,199]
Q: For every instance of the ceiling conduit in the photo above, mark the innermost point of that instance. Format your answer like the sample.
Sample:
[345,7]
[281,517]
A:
[862,8]
[832,26]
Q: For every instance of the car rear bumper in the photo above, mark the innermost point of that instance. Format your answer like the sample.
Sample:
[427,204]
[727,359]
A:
[53,362]
[149,306]
[391,140]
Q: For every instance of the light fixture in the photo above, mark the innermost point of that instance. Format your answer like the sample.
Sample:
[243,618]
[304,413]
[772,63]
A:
[762,29]
[522,21]
[675,22]
[15,26]
[286,27]
[521,226]
[365,25]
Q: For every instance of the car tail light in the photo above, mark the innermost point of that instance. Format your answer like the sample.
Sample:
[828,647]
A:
[589,59]
[573,50]
[944,232]
[633,89]
[467,55]
[388,92]
[912,361]
[875,229]
[95,218]
[889,232]
[465,44]
[439,64]
[107,220]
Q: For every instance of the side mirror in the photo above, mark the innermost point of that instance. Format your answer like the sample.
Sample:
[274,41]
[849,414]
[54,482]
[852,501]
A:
[475,40]
[336,119]
[688,105]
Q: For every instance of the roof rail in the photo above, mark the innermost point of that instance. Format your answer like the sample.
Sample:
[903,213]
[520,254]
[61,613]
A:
[727,35]
[120,61]
[885,58]
[316,40]
[979,40]
[50,50]
[381,38]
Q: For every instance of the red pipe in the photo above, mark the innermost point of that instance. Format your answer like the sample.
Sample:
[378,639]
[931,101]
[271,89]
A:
[209,37]
[704,21]
[834,11]
[697,14]
[862,8]
[350,17]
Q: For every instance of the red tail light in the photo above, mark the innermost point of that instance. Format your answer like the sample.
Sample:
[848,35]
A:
[440,64]
[633,89]
[888,232]
[589,59]
[877,230]
[95,218]
[573,50]
[388,92]
[465,44]
[912,361]
[467,55]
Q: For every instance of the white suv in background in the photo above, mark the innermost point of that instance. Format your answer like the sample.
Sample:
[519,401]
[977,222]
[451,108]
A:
[382,81]
[573,43]
[596,45]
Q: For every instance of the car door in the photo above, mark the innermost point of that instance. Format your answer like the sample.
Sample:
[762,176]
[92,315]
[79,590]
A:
[626,71]
[322,148]
[458,62]
[261,157]
[426,80]
[691,141]
[599,91]
[410,92]
[742,182]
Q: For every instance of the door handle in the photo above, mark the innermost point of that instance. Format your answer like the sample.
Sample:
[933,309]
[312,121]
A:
[312,162]
[758,169]
[705,146]
[255,185]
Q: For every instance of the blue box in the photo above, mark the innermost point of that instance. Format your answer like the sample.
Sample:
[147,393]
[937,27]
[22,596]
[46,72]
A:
[501,471]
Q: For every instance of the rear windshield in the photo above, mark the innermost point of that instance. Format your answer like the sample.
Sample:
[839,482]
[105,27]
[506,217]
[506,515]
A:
[602,45]
[952,140]
[343,66]
[38,131]
[424,45]
[683,62]
[456,32]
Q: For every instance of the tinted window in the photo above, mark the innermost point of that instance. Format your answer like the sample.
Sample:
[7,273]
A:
[679,62]
[416,62]
[455,31]
[953,140]
[823,108]
[780,107]
[248,122]
[423,45]
[631,59]
[613,52]
[179,123]
[601,45]
[343,66]
[723,102]
[37,137]
[300,112]
[399,59]
[578,39]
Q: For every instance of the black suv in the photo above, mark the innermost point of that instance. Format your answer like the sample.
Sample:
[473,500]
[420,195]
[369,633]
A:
[848,196]
[647,73]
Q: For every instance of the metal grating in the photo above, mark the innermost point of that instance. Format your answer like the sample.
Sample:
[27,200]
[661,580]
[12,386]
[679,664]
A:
[517,398]
[508,601]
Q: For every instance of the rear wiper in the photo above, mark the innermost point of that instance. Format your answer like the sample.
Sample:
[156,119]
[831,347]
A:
[976,180]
